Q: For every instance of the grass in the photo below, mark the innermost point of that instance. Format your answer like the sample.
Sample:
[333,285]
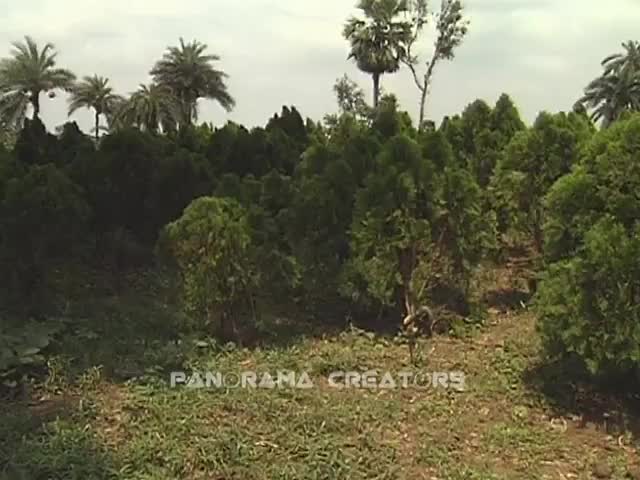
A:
[108,412]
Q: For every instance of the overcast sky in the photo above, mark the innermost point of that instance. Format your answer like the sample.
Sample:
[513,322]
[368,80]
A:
[541,52]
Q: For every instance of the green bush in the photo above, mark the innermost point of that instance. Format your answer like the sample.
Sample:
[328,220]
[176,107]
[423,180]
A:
[530,164]
[212,246]
[589,299]
[391,232]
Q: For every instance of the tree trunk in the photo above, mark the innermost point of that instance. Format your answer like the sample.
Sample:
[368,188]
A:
[376,89]
[228,327]
[539,239]
[538,234]
[97,126]
[423,100]
[35,101]
[187,106]
[424,91]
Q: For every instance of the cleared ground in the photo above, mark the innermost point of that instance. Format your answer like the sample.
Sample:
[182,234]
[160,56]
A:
[517,419]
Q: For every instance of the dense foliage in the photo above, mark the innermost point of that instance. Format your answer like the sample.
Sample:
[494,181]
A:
[360,214]
[531,163]
[589,300]
[212,245]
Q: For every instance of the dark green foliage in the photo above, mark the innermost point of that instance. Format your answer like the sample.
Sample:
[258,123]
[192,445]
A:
[284,154]
[390,237]
[268,216]
[234,149]
[73,144]
[479,136]
[573,210]
[43,218]
[388,121]
[475,118]
[451,128]
[35,146]
[483,134]
[589,300]
[532,162]
[267,202]
[176,180]
[321,209]
[119,180]
[136,183]
[505,119]
[418,224]
[292,125]
[465,231]
[437,148]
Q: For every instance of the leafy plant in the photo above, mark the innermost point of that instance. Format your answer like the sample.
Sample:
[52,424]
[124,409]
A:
[213,248]
[21,348]
[394,257]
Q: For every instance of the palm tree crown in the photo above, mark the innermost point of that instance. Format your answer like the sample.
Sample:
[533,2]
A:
[94,92]
[25,75]
[629,60]
[152,107]
[378,42]
[611,95]
[618,89]
[190,75]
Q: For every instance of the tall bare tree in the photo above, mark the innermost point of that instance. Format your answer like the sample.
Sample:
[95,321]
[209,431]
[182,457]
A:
[451,27]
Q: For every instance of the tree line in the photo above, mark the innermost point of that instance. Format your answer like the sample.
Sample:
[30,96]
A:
[184,75]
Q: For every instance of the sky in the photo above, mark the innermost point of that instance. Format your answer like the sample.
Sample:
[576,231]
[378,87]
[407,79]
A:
[290,52]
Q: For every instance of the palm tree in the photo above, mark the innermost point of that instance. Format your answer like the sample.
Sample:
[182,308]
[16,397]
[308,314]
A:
[378,42]
[629,60]
[152,107]
[94,92]
[23,77]
[190,74]
[611,95]
[618,89]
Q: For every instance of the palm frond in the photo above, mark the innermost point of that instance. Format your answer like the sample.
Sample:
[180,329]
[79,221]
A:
[152,107]
[13,107]
[189,73]
[93,92]
[618,89]
[28,72]
[377,40]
